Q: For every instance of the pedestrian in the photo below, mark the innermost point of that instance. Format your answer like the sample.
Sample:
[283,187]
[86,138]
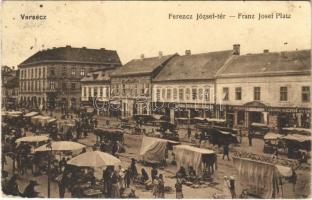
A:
[30,191]
[62,186]
[227,193]
[189,132]
[133,169]
[293,179]
[250,137]
[115,185]
[127,177]
[161,187]
[12,186]
[155,186]
[226,151]
[232,187]
[154,172]
[62,164]
[240,136]
[144,175]
[178,187]
[121,178]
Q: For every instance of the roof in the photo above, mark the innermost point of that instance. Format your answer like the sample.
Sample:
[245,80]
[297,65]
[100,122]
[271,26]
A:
[97,76]
[194,67]
[74,55]
[275,63]
[142,66]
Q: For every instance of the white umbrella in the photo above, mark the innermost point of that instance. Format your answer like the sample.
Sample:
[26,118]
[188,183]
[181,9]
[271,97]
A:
[61,146]
[94,159]
[35,138]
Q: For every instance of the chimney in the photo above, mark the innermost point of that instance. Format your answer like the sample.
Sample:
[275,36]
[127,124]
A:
[103,49]
[160,54]
[68,46]
[236,49]
[266,51]
[142,56]
[54,48]
[187,52]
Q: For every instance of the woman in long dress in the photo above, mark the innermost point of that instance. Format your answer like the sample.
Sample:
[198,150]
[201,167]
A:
[155,186]
[227,193]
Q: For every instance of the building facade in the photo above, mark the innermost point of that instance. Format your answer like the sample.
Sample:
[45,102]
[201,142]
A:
[9,87]
[51,78]
[131,85]
[185,88]
[267,88]
[95,91]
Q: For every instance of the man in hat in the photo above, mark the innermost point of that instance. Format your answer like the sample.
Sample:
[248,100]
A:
[29,191]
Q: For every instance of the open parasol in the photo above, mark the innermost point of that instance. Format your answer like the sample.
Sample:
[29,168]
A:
[61,146]
[35,138]
[94,159]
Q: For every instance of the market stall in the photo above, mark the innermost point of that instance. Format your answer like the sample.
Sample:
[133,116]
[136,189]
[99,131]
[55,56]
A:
[262,177]
[155,150]
[200,159]
[271,142]
[259,129]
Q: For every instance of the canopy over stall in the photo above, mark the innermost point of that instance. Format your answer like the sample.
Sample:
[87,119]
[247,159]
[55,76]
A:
[303,131]
[266,174]
[153,150]
[192,156]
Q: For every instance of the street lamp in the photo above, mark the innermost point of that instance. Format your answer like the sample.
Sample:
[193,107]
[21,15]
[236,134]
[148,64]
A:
[49,146]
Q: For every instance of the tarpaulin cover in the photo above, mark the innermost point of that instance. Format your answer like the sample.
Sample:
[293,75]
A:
[153,149]
[190,156]
[272,136]
[256,176]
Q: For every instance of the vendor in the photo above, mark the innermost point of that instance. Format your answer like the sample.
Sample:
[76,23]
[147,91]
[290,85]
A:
[144,175]
[181,173]
[192,174]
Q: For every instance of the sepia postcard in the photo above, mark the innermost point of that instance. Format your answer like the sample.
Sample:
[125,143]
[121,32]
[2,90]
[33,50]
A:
[156,99]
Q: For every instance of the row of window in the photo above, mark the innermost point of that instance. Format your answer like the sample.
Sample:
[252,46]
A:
[305,94]
[32,85]
[131,89]
[95,91]
[73,71]
[168,94]
[39,72]
[31,73]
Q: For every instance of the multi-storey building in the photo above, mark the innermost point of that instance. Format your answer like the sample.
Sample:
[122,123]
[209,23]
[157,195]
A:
[51,77]
[95,91]
[131,84]
[9,87]
[269,88]
[185,87]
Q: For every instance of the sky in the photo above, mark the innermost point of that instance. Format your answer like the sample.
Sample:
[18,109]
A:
[135,28]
